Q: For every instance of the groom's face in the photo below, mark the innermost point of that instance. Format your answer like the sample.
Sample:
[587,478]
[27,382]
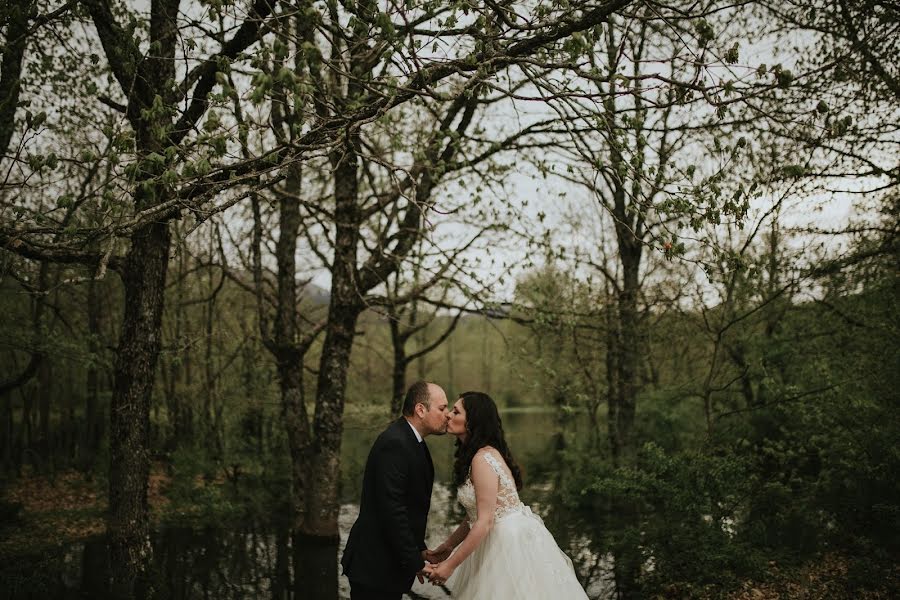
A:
[435,416]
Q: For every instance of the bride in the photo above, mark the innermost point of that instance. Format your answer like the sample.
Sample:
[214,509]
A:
[502,550]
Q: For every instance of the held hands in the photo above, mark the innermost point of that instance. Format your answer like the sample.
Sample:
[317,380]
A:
[440,573]
[425,573]
[436,570]
[437,555]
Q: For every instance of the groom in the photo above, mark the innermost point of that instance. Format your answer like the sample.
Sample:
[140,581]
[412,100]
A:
[386,547]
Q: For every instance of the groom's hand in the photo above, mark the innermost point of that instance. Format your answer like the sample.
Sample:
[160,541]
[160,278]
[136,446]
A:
[425,573]
[437,555]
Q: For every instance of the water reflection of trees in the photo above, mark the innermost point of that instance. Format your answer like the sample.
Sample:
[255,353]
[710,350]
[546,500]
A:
[254,561]
[222,563]
[596,539]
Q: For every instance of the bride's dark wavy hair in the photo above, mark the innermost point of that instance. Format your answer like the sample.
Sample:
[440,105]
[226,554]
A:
[483,428]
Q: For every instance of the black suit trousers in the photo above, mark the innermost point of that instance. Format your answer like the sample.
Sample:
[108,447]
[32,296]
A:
[361,592]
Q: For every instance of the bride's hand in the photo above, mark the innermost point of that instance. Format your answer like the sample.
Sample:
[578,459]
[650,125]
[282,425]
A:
[440,573]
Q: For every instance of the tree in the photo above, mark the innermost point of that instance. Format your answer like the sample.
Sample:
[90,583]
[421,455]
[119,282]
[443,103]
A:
[831,120]
[632,148]
[161,116]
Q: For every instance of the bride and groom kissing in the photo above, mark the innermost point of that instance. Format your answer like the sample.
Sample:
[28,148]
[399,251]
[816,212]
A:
[501,551]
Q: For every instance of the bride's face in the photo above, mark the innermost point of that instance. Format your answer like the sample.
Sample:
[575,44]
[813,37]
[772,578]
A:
[457,423]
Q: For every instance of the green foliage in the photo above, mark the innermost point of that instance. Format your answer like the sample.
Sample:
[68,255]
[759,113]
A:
[684,510]
[714,517]
[202,492]
[798,458]
[195,495]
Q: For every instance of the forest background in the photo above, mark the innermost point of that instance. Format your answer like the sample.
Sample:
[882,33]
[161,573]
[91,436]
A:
[228,229]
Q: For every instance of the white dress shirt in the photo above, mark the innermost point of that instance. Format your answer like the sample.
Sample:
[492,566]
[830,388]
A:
[415,431]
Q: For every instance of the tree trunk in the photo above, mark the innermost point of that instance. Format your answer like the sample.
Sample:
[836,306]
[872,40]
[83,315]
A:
[7,437]
[450,371]
[281,576]
[91,442]
[612,380]
[628,341]
[343,311]
[296,423]
[289,351]
[211,410]
[627,565]
[44,389]
[421,365]
[148,79]
[16,21]
[175,367]
[144,278]
[398,373]
[739,355]
[323,503]
[398,379]
[486,354]
[629,350]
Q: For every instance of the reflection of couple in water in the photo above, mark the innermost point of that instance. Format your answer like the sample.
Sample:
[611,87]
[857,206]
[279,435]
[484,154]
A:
[501,551]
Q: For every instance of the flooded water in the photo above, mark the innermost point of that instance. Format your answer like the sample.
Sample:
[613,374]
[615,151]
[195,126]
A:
[260,560]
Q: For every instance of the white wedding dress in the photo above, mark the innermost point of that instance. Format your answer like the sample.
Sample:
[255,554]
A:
[518,559]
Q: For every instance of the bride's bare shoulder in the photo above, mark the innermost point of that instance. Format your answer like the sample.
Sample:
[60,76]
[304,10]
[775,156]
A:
[491,454]
[488,450]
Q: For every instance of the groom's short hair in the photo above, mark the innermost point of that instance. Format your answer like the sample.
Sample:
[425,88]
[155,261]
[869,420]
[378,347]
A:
[416,394]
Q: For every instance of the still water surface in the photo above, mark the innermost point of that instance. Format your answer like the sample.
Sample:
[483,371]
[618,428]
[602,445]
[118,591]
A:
[261,560]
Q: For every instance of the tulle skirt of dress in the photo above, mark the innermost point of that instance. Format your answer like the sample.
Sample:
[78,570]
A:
[518,560]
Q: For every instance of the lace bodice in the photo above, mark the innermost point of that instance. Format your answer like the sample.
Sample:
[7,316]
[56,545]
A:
[507,496]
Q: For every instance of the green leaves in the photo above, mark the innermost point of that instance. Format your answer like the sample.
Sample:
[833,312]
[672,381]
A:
[733,54]
[155,159]
[576,46]
[384,23]
[839,127]
[64,201]
[793,171]
[35,121]
[41,162]
[262,84]
[783,77]
[704,31]
[689,505]
[212,122]
[198,168]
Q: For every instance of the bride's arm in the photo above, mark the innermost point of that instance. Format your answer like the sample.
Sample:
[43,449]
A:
[487,485]
[443,551]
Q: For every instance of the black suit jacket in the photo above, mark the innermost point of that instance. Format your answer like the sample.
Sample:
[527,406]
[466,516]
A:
[384,548]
